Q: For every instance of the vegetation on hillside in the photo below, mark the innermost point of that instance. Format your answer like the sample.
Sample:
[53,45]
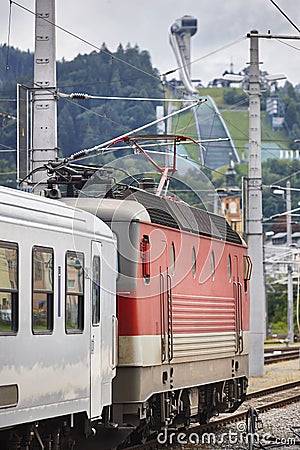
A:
[92,122]
[128,72]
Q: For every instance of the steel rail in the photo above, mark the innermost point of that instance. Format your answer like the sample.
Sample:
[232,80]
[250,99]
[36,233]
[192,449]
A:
[235,417]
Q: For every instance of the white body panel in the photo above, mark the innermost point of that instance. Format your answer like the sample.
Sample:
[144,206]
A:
[146,350]
[52,371]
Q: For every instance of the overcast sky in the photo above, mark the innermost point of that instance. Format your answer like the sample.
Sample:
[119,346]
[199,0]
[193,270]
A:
[147,22]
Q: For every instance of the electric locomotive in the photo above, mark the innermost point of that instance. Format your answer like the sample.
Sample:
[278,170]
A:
[182,306]
[101,345]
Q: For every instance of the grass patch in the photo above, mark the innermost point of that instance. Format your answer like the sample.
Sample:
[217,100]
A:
[184,124]
[237,122]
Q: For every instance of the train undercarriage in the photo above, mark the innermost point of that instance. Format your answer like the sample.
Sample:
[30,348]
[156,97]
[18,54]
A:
[171,409]
[180,408]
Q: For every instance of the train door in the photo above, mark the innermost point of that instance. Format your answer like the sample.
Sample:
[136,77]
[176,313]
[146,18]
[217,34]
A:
[96,363]
[237,291]
[166,305]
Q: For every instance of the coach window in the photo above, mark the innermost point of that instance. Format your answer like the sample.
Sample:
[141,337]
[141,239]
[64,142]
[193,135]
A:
[172,258]
[8,288]
[194,262]
[212,265]
[74,292]
[96,291]
[42,290]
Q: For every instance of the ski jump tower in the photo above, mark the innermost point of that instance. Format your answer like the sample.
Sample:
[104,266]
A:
[180,39]
[208,121]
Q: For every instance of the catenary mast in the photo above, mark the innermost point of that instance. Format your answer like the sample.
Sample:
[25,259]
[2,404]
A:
[44,102]
[254,217]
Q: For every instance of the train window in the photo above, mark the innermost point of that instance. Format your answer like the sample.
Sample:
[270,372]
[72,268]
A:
[172,258]
[42,290]
[145,256]
[74,291]
[96,291]
[212,265]
[229,267]
[247,271]
[247,267]
[8,288]
[194,262]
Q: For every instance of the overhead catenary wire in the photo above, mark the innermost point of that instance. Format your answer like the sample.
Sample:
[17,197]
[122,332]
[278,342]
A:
[166,144]
[82,96]
[85,152]
[169,72]
[116,58]
[158,77]
[285,15]
[104,116]
[85,41]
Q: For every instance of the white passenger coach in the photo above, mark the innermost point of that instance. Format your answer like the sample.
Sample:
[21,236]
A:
[58,327]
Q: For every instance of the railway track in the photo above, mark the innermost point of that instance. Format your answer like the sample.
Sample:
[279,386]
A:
[275,355]
[262,400]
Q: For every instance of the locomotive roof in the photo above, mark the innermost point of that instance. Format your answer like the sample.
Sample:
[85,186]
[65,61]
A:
[139,205]
[181,216]
[109,209]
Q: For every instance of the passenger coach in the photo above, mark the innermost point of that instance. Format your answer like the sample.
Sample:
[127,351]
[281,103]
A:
[58,326]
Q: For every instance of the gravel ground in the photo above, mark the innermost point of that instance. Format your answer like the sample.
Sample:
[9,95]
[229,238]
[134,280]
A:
[277,423]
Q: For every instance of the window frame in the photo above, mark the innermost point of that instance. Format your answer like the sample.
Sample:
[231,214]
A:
[49,292]
[13,292]
[213,265]
[172,258]
[194,262]
[96,293]
[145,257]
[229,268]
[79,295]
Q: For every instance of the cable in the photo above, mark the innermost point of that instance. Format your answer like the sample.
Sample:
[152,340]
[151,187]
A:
[83,153]
[87,42]
[288,44]
[82,96]
[121,60]
[207,55]
[8,35]
[285,15]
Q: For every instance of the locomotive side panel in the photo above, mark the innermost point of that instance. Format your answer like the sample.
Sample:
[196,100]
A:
[198,273]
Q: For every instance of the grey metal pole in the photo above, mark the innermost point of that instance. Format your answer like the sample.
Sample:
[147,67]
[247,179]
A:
[44,102]
[254,228]
[290,318]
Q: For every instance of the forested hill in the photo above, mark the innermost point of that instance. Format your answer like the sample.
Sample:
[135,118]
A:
[106,74]
[128,72]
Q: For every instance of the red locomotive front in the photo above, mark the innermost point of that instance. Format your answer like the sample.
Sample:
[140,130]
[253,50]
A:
[183,312]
